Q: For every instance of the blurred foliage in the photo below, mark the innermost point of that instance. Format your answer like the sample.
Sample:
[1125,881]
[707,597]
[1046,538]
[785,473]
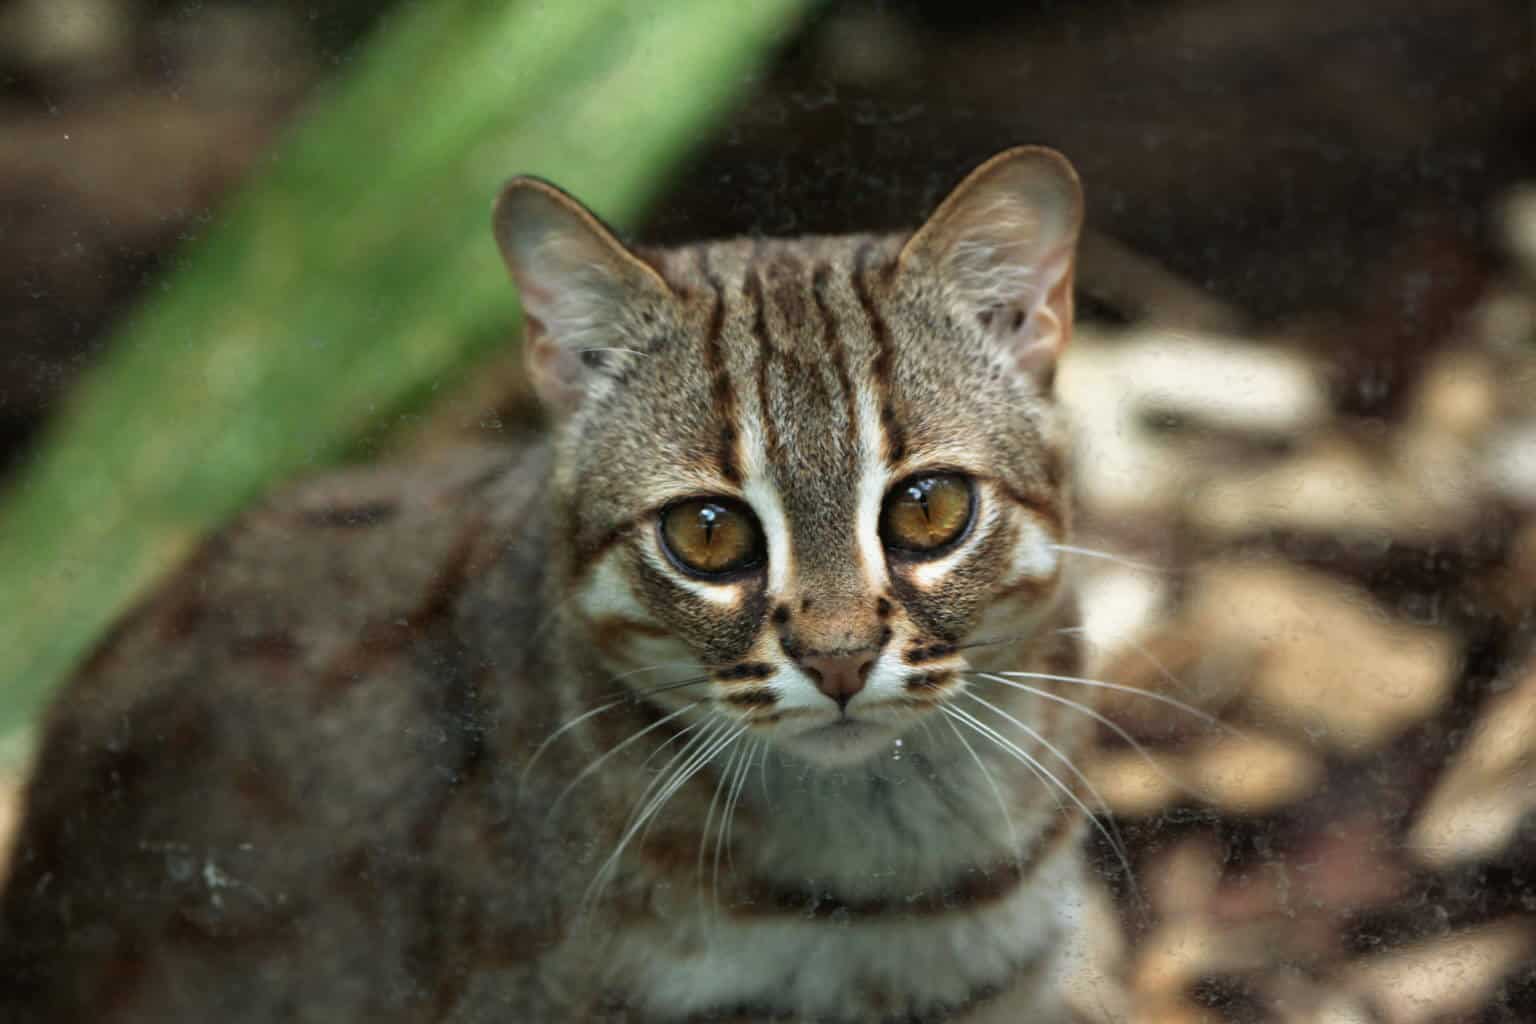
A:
[355,275]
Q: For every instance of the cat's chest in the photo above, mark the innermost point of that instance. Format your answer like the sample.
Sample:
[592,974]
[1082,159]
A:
[896,953]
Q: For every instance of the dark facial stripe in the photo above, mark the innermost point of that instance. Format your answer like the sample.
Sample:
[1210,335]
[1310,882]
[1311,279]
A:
[723,396]
[881,369]
[754,291]
[928,682]
[972,891]
[928,652]
[830,337]
[745,670]
[610,633]
[755,697]
[583,560]
[1047,510]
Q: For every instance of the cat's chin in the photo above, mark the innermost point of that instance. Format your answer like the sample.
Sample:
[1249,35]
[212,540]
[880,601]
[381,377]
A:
[843,742]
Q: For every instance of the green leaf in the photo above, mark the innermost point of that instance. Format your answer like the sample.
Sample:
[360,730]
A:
[353,275]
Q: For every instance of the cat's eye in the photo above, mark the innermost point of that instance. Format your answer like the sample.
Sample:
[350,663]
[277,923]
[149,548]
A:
[925,514]
[712,536]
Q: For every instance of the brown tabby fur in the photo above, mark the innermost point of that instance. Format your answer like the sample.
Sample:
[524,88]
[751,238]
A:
[318,777]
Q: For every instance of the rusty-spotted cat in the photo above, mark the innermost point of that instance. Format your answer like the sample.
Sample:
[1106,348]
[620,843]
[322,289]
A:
[739,698]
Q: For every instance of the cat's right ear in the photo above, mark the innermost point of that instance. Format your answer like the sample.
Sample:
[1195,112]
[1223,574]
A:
[1002,247]
[583,294]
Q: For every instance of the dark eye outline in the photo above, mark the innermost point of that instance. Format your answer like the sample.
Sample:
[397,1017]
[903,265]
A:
[755,560]
[940,550]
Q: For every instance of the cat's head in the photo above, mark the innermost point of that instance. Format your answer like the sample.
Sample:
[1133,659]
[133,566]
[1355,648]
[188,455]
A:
[807,483]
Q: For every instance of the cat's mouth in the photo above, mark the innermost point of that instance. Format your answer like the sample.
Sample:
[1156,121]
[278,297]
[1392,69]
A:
[843,741]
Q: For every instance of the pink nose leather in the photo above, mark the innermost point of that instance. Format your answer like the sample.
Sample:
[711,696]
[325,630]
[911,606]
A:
[839,676]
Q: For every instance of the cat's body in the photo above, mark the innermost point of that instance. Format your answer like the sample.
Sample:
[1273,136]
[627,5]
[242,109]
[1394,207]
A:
[670,720]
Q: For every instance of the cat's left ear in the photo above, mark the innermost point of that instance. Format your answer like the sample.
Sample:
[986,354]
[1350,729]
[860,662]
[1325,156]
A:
[586,299]
[1003,246]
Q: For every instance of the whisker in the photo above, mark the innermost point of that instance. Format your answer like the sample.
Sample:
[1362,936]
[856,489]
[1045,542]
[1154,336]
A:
[994,642]
[1111,835]
[627,697]
[666,687]
[721,784]
[663,745]
[702,747]
[997,793]
[589,769]
[723,837]
[1141,649]
[709,729]
[621,351]
[1098,717]
[1107,556]
[567,727]
[1050,782]
[1161,698]
[762,770]
[701,758]
[651,668]
[1039,738]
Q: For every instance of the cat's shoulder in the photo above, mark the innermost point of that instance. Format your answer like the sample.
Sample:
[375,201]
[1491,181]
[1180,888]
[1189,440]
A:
[322,582]
[266,749]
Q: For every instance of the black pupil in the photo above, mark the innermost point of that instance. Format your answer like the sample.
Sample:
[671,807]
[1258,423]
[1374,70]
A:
[918,493]
[709,519]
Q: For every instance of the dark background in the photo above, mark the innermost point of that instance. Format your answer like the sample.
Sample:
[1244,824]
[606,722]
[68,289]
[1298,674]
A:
[1336,160]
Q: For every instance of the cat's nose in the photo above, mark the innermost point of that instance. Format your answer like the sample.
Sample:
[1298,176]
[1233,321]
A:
[840,676]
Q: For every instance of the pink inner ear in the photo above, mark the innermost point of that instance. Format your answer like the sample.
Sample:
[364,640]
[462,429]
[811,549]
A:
[1034,323]
[555,371]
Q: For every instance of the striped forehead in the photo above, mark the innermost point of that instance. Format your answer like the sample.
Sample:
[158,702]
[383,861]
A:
[792,350]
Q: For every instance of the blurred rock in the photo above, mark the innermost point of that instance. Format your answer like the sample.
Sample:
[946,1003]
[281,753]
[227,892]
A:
[1510,468]
[1329,663]
[1490,785]
[1135,784]
[1146,403]
[1443,979]
[1249,773]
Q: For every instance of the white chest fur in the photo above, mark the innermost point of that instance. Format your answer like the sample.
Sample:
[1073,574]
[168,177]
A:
[836,967]
[901,939]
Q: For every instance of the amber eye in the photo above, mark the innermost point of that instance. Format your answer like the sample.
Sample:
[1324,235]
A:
[924,513]
[712,536]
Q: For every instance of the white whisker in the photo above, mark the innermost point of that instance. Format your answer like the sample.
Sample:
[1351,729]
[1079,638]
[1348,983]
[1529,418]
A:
[1053,785]
[721,784]
[997,793]
[1039,738]
[687,755]
[1096,716]
[1129,563]
[1110,835]
[719,741]
[703,746]
[567,727]
[1140,648]
[723,837]
[1161,698]
[610,348]
[589,769]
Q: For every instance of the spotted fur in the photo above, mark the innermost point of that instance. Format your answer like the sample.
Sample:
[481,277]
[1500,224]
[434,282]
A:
[471,746]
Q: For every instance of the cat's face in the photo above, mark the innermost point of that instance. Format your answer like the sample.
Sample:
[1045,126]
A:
[808,484]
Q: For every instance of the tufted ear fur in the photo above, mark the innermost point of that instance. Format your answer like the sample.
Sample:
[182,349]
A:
[585,297]
[1003,246]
